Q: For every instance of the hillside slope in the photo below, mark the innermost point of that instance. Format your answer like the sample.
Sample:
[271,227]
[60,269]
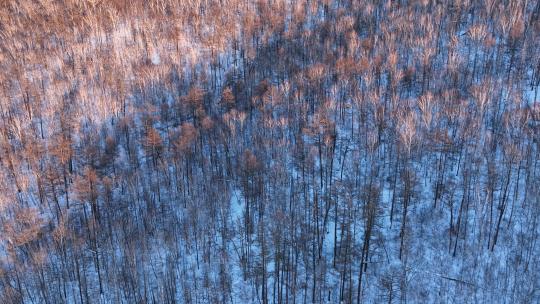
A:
[269,151]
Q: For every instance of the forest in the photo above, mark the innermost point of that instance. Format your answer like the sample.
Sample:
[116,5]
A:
[269,151]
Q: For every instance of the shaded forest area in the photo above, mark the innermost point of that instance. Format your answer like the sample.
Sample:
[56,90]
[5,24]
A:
[269,151]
